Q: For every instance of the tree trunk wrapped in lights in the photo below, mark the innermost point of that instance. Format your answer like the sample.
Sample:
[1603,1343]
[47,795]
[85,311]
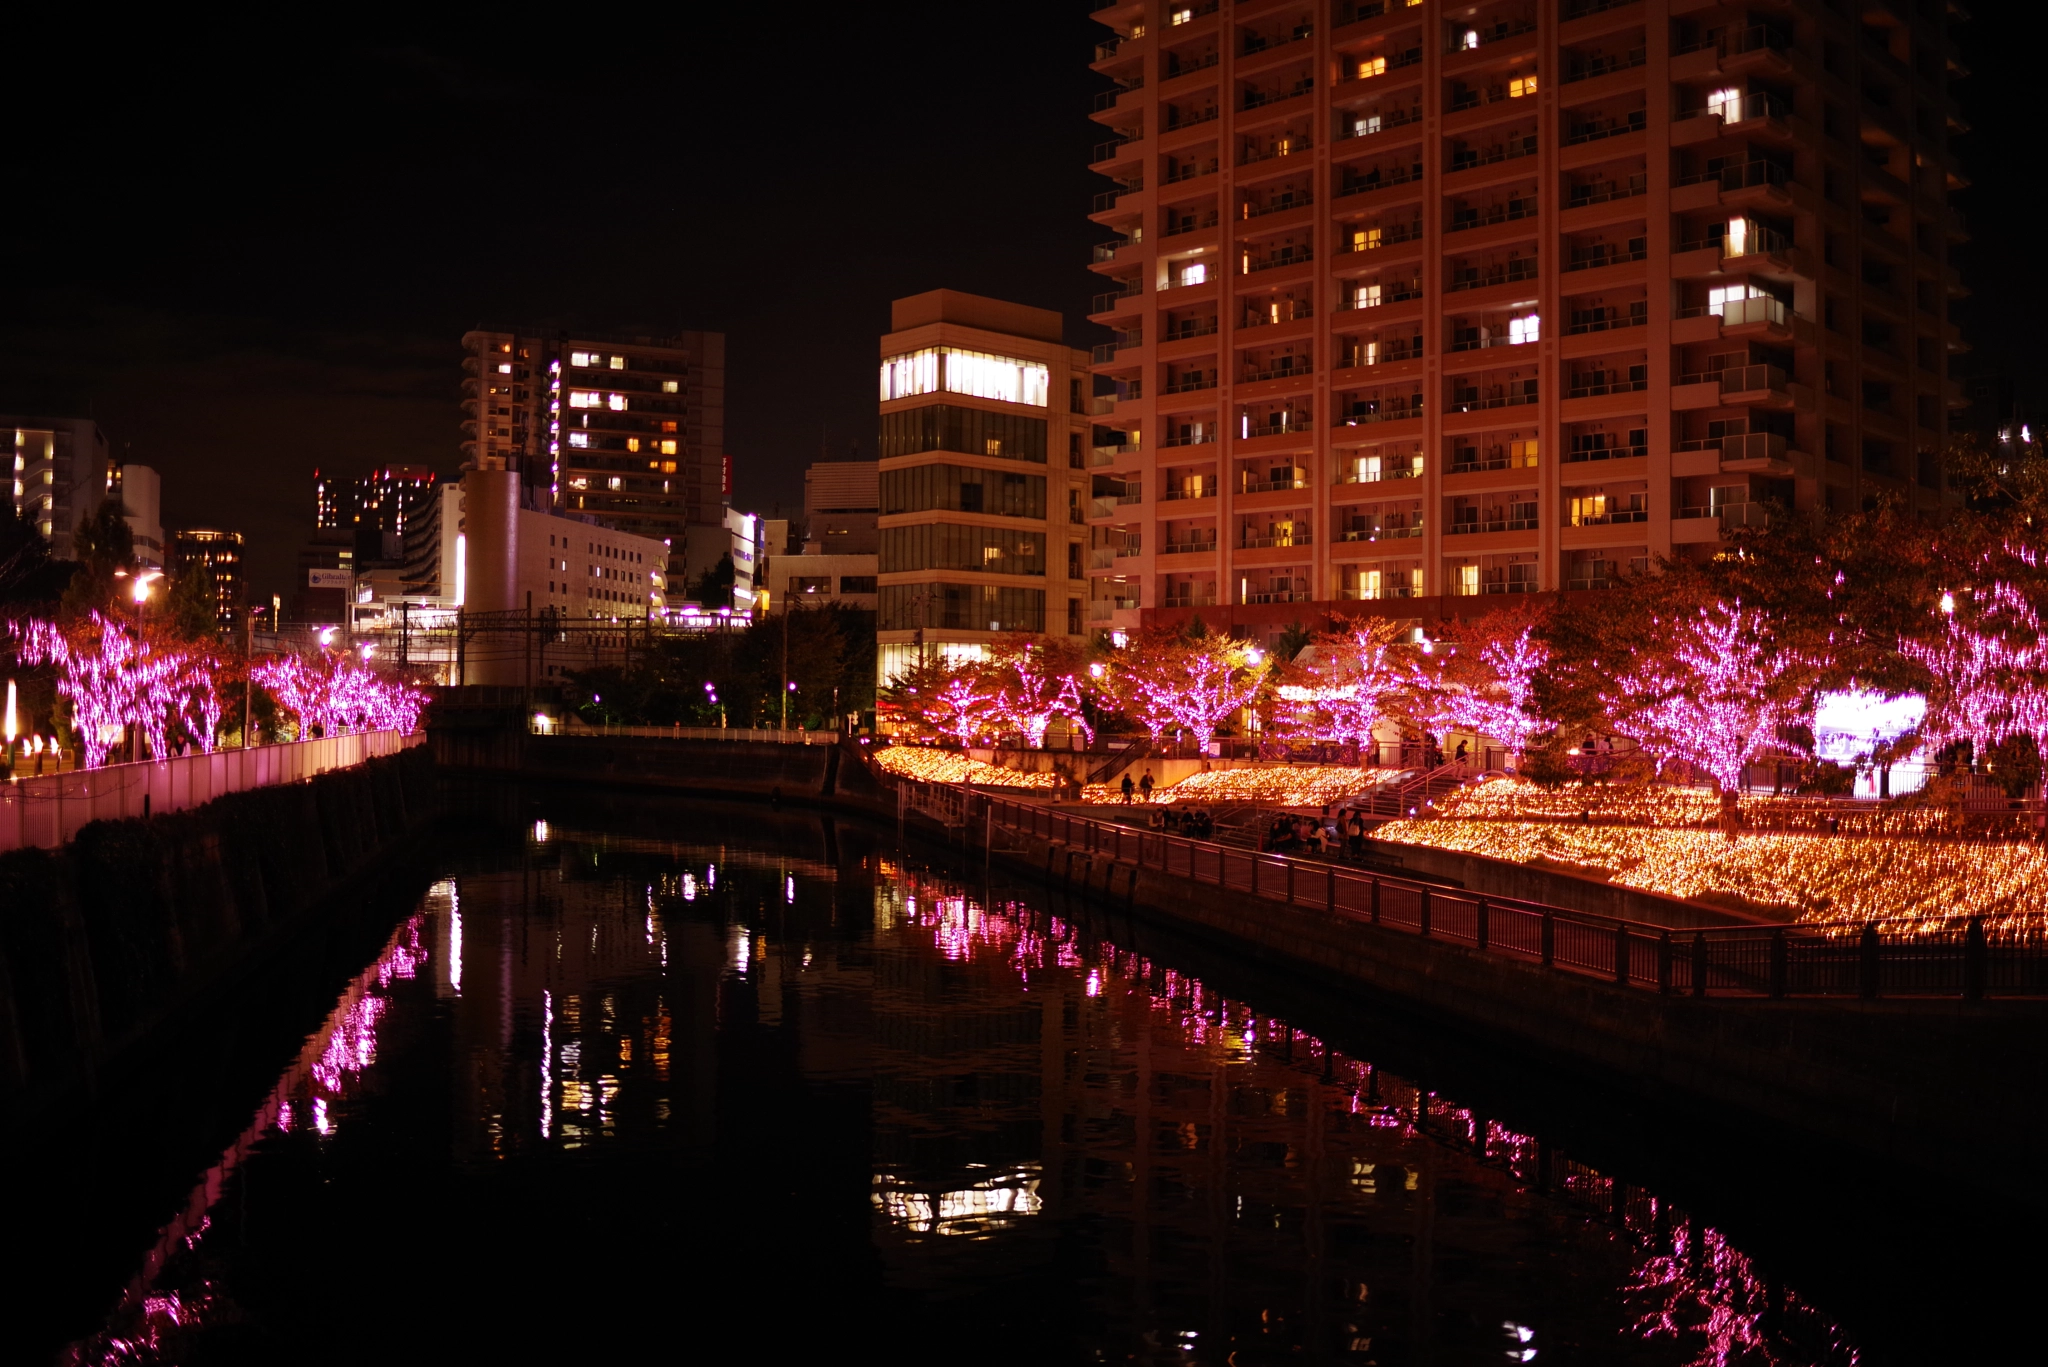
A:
[113,678]
[1482,679]
[334,692]
[1343,685]
[1988,669]
[1169,681]
[1714,695]
[1029,682]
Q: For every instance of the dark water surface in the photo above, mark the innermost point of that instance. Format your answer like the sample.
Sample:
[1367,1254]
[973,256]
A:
[761,1090]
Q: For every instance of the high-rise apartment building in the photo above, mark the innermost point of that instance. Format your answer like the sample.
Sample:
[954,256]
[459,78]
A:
[983,478]
[384,500]
[1415,300]
[221,553]
[63,470]
[630,430]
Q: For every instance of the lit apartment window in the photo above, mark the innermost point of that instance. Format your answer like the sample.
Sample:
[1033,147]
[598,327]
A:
[1523,329]
[1364,239]
[1368,296]
[583,398]
[670,387]
[1184,14]
[632,443]
[1194,273]
[1372,66]
[616,402]
[1470,40]
[579,439]
[668,448]
[618,363]
[615,483]
[1520,86]
[668,467]
[582,358]
[984,376]
[505,368]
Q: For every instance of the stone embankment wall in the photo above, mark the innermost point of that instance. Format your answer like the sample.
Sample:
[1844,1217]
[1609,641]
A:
[105,938]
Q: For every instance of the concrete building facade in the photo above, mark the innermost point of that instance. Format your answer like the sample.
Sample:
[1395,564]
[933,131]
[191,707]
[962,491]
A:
[629,430]
[1417,302]
[142,495]
[838,561]
[982,479]
[62,468]
[221,552]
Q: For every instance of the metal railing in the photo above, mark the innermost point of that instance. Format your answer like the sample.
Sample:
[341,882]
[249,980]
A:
[736,734]
[1835,959]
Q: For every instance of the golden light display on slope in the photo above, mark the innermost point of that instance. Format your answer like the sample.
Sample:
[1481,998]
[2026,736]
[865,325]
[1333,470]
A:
[1300,785]
[947,766]
[1906,885]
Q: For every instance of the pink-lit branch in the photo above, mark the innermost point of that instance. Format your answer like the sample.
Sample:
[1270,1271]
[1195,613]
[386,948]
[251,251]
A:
[1342,687]
[1715,697]
[333,693]
[114,679]
[1171,683]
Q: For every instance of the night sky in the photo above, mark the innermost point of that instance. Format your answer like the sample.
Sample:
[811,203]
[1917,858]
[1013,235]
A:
[247,255]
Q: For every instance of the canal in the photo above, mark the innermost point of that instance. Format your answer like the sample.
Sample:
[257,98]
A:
[634,1082]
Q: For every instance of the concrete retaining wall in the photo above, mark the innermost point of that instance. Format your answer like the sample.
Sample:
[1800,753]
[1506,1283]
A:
[101,939]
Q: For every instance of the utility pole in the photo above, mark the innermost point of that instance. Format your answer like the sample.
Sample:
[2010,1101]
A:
[248,662]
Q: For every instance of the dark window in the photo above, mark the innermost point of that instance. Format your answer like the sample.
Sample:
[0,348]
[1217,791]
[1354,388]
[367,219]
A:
[971,431]
[958,488]
[951,546]
[959,607]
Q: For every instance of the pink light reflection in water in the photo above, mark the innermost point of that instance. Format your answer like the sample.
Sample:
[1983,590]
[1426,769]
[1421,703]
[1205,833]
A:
[1690,1285]
[168,1293]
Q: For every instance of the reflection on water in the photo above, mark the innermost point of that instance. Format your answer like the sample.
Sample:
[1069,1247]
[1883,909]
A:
[1184,1178]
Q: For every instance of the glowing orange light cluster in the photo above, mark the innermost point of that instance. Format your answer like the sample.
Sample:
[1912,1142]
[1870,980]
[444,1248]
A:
[947,766]
[1305,785]
[1907,886]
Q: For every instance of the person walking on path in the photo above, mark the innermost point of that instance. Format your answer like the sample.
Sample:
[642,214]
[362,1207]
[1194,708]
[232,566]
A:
[1145,785]
[1129,788]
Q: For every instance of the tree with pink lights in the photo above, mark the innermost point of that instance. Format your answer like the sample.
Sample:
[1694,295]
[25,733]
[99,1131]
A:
[333,692]
[1028,682]
[1988,669]
[1482,678]
[1170,681]
[1345,684]
[1713,693]
[113,678]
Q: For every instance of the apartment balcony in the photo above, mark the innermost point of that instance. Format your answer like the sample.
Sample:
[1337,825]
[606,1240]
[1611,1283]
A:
[1589,68]
[1191,385]
[1260,99]
[1193,170]
[1112,151]
[1297,480]
[1196,546]
[1500,273]
[1176,67]
[1607,191]
[1112,301]
[1690,526]
[1466,39]
[1125,454]
[1365,125]
[1757,114]
[1383,411]
[1477,526]
[1598,130]
[1106,609]
[1602,384]
[1188,600]
[1378,179]
[1378,469]
[1187,493]
[1286,368]
[1202,438]
[1113,506]
[1473,401]
[1615,518]
[1757,51]
[1192,119]
[1603,453]
[1298,429]
[1281,596]
[1108,99]
[1464,220]
[1279,204]
[1606,254]
[1358,595]
[1106,557]
[1285,256]
[1289,146]
[1375,534]
[1473,464]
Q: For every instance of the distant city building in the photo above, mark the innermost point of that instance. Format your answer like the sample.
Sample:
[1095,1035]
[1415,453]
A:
[983,489]
[748,546]
[511,559]
[629,430]
[63,469]
[141,495]
[384,499]
[221,553]
[838,561]
[328,512]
